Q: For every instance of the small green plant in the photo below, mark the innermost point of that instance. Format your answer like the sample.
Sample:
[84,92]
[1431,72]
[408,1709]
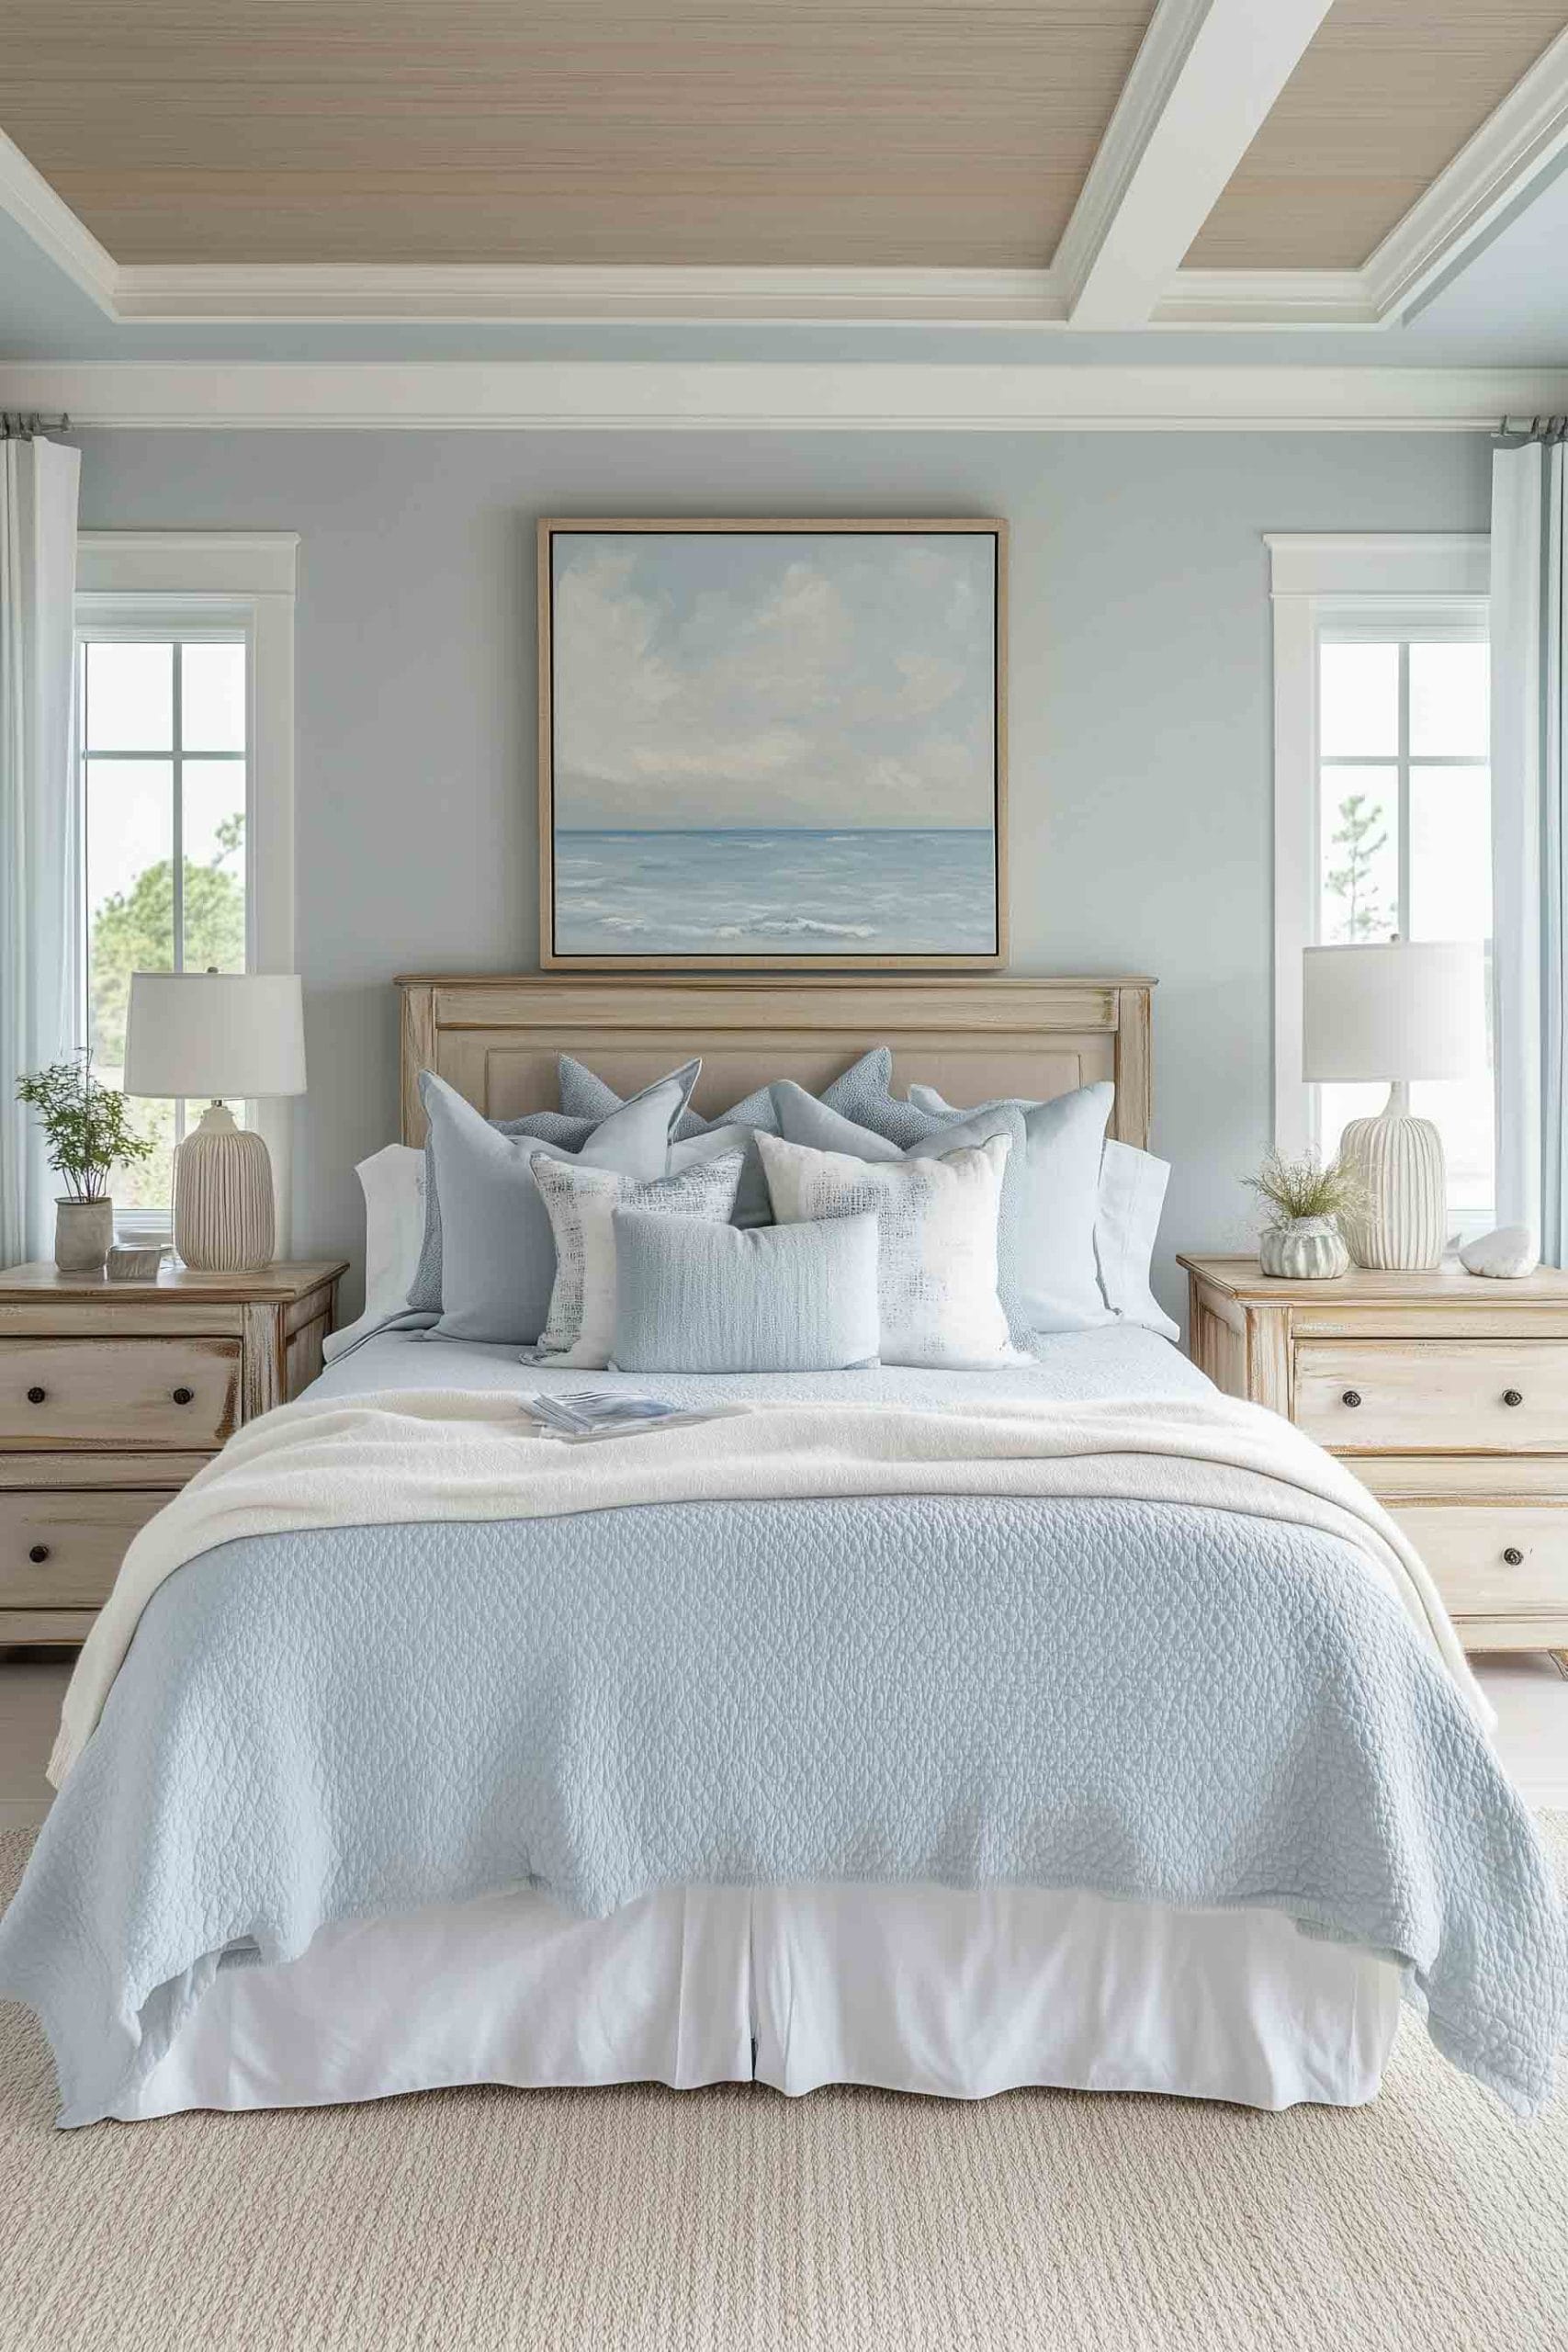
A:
[1292,1189]
[88,1125]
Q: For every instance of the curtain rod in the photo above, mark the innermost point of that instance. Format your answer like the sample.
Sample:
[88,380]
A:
[17,427]
[1516,432]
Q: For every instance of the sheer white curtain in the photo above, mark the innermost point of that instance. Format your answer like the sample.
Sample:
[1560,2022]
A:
[39,871]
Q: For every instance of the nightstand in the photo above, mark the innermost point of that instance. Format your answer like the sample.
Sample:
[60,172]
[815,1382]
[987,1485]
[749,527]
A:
[1447,1393]
[111,1396]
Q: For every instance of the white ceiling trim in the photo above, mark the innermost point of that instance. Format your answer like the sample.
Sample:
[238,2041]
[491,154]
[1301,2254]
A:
[542,295]
[1206,78]
[49,221]
[1494,173]
[784,396]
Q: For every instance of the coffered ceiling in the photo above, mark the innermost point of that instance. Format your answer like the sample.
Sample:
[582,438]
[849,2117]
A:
[1092,164]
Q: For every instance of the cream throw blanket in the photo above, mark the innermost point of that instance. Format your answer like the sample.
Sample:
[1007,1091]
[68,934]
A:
[473,1455]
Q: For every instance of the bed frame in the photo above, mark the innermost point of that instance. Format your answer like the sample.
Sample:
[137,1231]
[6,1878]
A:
[496,1040]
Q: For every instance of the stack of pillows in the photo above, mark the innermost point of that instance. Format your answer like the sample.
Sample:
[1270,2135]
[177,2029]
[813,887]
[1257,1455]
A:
[797,1233]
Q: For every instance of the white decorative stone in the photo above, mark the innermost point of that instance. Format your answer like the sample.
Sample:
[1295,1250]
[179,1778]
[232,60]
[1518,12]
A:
[223,1215]
[1398,1161]
[1506,1254]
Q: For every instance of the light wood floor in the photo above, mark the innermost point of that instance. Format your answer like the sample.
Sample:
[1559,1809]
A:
[1530,1697]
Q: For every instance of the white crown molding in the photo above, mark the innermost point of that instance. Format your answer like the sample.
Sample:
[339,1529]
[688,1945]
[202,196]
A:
[1494,171]
[780,396]
[49,221]
[1205,77]
[1266,297]
[542,295]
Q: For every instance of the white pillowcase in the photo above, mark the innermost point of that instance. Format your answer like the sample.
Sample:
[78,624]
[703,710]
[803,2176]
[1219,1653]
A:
[581,1201]
[392,1181]
[936,1270]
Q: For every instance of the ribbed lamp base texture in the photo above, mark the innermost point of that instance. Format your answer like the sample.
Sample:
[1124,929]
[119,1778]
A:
[224,1215]
[1400,1163]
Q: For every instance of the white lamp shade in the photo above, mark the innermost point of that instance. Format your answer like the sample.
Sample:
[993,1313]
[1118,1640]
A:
[213,1034]
[1401,1010]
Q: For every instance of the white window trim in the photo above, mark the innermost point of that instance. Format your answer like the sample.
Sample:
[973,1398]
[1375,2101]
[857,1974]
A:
[246,578]
[1317,578]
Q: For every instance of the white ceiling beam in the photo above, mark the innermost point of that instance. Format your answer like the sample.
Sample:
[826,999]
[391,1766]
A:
[1205,77]
[1495,175]
[708,396]
[49,221]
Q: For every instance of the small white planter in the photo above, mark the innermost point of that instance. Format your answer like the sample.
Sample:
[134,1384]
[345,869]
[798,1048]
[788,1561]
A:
[1309,1249]
[84,1231]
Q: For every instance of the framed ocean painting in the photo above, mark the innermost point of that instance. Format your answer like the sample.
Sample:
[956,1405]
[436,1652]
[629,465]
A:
[772,744]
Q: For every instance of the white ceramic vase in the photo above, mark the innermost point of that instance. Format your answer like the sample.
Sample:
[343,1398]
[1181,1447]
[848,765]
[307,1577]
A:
[84,1231]
[1308,1250]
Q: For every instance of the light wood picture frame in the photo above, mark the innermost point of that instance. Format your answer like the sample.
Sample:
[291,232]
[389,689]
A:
[772,744]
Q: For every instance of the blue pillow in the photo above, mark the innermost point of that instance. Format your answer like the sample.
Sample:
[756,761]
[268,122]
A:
[636,1141]
[1048,1273]
[694,1296]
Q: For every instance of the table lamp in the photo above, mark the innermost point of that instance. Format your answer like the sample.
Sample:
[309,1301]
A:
[1398,1010]
[215,1034]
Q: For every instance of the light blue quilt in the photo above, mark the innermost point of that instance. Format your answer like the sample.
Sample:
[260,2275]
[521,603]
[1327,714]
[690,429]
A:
[1150,1701]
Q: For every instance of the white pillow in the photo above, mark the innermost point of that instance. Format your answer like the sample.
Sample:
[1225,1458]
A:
[1126,1222]
[936,1268]
[582,1202]
[392,1181]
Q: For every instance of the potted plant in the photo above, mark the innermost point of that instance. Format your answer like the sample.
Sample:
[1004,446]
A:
[1305,1201]
[89,1132]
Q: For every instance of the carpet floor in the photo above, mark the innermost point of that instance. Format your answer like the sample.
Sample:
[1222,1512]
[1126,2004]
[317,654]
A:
[644,2219]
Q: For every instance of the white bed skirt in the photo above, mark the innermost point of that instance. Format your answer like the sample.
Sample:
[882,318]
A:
[911,1988]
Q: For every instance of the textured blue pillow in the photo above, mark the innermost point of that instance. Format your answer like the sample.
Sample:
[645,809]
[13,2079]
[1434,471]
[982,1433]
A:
[584,1094]
[1048,1274]
[694,1296]
[637,1142]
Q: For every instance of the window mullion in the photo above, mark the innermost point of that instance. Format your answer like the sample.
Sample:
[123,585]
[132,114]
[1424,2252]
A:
[178,836]
[1403,789]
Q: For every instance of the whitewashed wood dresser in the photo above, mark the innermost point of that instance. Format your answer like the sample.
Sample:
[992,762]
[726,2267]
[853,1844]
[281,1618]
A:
[1447,1393]
[111,1396]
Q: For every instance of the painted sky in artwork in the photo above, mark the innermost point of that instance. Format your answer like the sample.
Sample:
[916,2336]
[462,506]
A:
[714,679]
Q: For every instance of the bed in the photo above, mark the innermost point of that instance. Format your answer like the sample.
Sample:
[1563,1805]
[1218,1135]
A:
[1106,1778]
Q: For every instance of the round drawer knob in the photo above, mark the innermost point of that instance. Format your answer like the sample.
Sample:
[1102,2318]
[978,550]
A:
[1514,1557]
[1351,1396]
[39,1555]
[1511,1396]
[37,1395]
[184,1396]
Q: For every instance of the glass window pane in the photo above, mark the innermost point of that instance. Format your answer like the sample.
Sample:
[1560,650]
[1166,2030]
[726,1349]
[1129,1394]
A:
[1450,854]
[1360,857]
[1449,702]
[1338,1104]
[1358,703]
[131,892]
[212,694]
[1461,1110]
[129,697]
[215,866]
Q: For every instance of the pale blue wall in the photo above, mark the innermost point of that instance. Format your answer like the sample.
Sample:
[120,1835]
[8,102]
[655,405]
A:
[1141,759]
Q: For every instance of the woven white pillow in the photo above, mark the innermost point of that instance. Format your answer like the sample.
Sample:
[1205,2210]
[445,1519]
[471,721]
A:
[581,1202]
[936,1272]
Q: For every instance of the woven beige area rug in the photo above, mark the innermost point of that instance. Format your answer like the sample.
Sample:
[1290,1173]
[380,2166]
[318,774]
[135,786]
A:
[726,2221]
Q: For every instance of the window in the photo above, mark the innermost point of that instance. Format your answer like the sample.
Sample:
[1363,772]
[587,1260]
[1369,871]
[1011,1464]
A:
[1382,802]
[185,758]
[162,736]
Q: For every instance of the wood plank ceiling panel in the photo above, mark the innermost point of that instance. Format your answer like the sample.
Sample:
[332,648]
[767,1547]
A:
[843,132]
[1384,97]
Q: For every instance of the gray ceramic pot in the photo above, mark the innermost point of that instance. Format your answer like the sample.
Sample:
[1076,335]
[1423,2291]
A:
[83,1233]
[1310,1249]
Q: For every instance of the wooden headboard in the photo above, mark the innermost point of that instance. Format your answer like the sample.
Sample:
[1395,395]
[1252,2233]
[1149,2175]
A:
[496,1041]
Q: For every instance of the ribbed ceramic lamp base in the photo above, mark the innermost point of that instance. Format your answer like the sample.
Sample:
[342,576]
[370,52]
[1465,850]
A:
[223,1215]
[1399,1161]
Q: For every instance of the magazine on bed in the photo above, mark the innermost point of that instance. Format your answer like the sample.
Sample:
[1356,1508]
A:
[582,1414]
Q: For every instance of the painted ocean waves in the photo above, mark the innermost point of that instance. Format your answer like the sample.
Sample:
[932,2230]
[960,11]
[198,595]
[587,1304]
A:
[791,891]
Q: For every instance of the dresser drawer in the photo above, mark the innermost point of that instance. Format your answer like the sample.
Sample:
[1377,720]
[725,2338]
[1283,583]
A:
[1494,1559]
[82,1538]
[180,1393]
[1434,1396]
